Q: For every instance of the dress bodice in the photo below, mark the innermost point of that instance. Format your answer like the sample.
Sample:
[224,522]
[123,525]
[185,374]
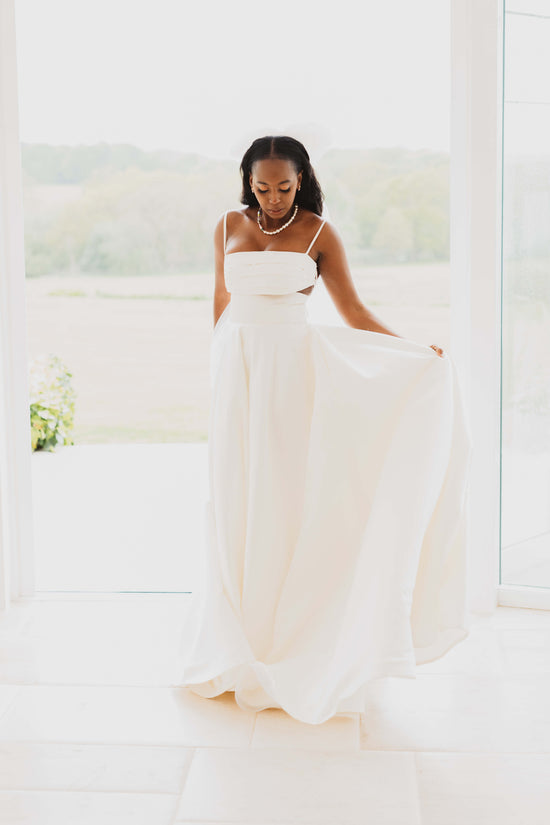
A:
[268,272]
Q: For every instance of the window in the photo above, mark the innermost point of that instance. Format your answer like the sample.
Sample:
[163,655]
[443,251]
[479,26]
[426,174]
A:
[525,477]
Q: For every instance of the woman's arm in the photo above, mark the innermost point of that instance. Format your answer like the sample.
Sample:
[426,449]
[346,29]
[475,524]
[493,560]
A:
[221,296]
[334,268]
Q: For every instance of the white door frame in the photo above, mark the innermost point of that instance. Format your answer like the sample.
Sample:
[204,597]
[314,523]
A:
[16,527]
[476,175]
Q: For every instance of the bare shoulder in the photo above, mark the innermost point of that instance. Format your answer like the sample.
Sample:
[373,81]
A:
[315,222]
[308,224]
[310,219]
[233,215]
[231,218]
[237,218]
[329,232]
[328,239]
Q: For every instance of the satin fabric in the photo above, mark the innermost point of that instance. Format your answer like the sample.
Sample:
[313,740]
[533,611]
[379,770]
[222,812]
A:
[335,541]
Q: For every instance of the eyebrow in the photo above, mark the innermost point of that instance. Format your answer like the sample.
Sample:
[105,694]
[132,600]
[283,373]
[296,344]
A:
[267,184]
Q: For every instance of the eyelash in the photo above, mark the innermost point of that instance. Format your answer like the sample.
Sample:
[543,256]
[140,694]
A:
[263,191]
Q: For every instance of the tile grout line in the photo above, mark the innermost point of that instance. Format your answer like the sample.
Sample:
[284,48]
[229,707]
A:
[118,744]
[9,704]
[88,790]
[183,786]
[80,742]
[252,732]
[6,743]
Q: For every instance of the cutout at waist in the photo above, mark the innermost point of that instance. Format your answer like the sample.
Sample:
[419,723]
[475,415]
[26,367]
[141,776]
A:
[282,309]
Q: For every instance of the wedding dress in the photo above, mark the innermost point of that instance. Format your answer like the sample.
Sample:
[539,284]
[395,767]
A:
[335,547]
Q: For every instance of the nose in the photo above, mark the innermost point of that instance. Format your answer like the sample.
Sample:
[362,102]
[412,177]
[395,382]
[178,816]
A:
[274,198]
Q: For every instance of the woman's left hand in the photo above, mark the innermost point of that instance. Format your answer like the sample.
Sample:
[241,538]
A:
[437,350]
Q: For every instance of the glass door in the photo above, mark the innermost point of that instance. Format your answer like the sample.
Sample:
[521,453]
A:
[525,403]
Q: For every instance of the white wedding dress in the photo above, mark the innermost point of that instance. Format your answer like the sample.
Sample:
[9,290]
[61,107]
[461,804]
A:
[335,528]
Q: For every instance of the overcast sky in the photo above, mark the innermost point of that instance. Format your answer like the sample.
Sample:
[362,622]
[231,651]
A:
[210,76]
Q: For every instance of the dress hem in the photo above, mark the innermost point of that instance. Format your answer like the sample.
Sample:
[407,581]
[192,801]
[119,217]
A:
[225,679]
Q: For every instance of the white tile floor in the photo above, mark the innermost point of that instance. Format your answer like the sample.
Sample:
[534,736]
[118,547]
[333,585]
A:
[91,730]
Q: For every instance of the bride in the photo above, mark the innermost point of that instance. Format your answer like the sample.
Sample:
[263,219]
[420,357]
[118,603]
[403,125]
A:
[280,191]
[334,542]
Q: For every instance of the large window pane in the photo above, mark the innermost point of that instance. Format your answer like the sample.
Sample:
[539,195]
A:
[134,117]
[525,553]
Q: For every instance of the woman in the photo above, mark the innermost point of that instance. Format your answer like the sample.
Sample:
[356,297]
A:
[338,465]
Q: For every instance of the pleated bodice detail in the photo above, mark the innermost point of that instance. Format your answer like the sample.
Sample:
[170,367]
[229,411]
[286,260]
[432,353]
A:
[268,272]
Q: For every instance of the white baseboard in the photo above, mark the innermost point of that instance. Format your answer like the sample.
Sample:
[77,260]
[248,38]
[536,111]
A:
[536,598]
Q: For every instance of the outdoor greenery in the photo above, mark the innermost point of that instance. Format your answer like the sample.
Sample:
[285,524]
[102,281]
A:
[52,401]
[115,209]
[96,213]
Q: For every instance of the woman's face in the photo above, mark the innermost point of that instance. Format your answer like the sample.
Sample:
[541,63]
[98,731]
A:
[274,182]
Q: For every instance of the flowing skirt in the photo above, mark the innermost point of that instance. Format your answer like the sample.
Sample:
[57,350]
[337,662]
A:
[335,549]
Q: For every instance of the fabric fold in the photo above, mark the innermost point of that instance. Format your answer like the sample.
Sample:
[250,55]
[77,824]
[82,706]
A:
[335,529]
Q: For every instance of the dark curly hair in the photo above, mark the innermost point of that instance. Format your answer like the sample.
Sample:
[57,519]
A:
[309,196]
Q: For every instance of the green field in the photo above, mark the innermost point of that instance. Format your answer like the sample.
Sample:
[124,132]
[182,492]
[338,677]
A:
[138,347]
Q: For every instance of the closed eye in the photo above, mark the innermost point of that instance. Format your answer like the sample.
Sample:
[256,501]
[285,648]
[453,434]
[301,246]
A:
[264,191]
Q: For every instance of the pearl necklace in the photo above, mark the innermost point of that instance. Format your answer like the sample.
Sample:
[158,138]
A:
[280,229]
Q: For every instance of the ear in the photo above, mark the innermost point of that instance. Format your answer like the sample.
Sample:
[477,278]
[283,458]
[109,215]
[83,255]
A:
[299,179]
[250,180]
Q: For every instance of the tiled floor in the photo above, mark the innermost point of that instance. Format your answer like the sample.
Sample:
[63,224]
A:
[92,730]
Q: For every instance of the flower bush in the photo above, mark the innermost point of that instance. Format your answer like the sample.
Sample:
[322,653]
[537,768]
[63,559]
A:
[52,400]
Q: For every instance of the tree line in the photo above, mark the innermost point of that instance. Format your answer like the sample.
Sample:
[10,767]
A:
[116,209]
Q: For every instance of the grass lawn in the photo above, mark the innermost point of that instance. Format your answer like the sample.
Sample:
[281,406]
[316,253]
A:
[139,347]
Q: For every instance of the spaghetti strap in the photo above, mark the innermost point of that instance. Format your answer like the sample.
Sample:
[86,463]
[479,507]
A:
[224,230]
[316,236]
